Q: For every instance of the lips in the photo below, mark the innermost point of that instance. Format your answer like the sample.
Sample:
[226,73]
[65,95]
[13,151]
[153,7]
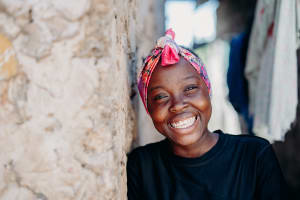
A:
[182,124]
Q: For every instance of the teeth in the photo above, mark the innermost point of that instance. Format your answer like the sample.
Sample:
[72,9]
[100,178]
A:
[184,124]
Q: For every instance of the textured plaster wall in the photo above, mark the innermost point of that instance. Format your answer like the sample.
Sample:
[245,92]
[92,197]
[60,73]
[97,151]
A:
[66,74]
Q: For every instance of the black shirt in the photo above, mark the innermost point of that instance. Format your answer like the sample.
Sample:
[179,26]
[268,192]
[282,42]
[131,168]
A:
[236,168]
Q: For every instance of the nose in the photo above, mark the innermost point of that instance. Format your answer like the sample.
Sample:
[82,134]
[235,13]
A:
[178,104]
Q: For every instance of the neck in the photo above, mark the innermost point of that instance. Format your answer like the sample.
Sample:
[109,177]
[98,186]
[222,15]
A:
[203,145]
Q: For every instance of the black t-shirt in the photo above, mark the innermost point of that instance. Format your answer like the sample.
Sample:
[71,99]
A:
[236,168]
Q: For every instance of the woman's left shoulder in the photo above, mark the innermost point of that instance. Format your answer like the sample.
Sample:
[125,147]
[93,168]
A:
[247,141]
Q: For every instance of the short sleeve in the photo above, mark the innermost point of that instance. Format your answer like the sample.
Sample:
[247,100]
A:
[270,183]
[134,191]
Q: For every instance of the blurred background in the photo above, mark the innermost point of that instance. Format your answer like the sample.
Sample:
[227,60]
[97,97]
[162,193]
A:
[69,107]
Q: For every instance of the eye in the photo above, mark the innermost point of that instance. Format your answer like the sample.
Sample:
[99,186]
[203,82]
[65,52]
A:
[159,97]
[190,88]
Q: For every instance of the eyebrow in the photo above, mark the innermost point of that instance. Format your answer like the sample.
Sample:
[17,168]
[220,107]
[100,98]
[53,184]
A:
[154,88]
[186,78]
[191,77]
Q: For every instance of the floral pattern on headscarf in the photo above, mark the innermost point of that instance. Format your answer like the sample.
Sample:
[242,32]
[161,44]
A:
[168,52]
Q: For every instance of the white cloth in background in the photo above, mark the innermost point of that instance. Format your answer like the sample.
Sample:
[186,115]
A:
[298,22]
[271,68]
[215,57]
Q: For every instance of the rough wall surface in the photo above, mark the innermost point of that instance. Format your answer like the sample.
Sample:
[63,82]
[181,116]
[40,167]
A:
[66,120]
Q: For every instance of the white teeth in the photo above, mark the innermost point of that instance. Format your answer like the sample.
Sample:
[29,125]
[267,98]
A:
[185,123]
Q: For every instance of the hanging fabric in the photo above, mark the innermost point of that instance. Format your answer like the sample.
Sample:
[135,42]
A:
[271,68]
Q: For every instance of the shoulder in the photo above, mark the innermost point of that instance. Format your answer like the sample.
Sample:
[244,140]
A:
[244,139]
[249,142]
[248,139]
[146,153]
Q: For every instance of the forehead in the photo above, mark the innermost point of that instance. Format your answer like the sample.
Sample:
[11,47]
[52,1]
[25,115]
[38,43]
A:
[181,70]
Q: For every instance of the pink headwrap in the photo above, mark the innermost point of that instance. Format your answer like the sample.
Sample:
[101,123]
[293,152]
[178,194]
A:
[169,53]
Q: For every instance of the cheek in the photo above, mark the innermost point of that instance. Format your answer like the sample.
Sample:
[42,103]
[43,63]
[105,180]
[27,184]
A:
[204,105]
[158,112]
[158,115]
[159,127]
[159,118]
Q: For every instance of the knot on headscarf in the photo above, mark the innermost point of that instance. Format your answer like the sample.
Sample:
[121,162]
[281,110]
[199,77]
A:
[168,52]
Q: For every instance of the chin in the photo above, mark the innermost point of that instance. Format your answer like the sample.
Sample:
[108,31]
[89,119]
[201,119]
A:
[186,140]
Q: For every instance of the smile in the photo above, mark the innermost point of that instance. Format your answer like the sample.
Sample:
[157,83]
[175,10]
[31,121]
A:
[184,123]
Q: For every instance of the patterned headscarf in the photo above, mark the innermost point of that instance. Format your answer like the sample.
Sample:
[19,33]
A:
[168,52]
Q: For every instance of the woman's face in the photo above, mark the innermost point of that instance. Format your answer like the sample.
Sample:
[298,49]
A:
[179,103]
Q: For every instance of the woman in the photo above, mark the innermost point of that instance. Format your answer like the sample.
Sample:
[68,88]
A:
[192,162]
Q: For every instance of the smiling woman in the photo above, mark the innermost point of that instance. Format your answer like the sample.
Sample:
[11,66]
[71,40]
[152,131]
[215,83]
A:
[179,105]
[192,162]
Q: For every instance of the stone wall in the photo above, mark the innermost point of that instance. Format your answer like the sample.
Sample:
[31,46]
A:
[66,74]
